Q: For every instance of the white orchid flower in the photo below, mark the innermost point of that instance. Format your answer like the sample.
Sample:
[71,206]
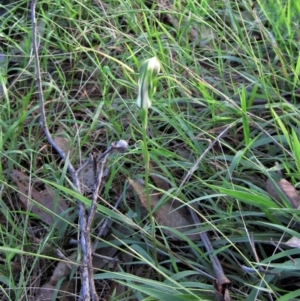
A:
[148,71]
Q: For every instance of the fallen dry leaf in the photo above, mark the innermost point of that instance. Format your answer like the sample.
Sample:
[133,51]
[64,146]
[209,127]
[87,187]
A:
[63,269]
[293,242]
[166,215]
[46,198]
[292,196]
[65,292]
[287,188]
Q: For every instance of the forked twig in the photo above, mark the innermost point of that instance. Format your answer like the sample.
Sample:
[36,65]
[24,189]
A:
[96,188]
[87,291]
[120,146]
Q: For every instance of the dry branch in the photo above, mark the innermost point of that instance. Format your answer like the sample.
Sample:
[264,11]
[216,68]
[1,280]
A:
[222,282]
[87,291]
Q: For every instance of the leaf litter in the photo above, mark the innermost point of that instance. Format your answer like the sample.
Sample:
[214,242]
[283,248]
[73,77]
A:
[43,203]
[169,214]
[293,198]
[50,205]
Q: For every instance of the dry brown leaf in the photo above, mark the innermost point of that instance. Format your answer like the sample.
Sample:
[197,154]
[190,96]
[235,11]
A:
[63,269]
[167,214]
[46,198]
[293,242]
[287,188]
[66,292]
[67,288]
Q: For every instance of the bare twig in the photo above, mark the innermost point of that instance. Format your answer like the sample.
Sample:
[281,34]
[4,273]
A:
[121,146]
[108,259]
[223,283]
[91,158]
[87,285]
[88,291]
[96,188]
[252,270]
[260,268]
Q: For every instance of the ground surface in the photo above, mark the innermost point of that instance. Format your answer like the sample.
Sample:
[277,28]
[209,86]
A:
[222,130]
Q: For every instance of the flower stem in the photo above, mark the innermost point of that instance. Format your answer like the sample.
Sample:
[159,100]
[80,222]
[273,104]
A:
[144,114]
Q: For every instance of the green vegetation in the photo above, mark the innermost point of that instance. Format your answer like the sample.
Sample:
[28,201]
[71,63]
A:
[229,81]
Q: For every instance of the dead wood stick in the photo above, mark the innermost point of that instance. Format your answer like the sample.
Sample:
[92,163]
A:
[87,286]
[222,282]
[120,146]
[96,187]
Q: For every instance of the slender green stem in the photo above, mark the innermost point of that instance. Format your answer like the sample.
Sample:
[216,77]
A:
[144,114]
